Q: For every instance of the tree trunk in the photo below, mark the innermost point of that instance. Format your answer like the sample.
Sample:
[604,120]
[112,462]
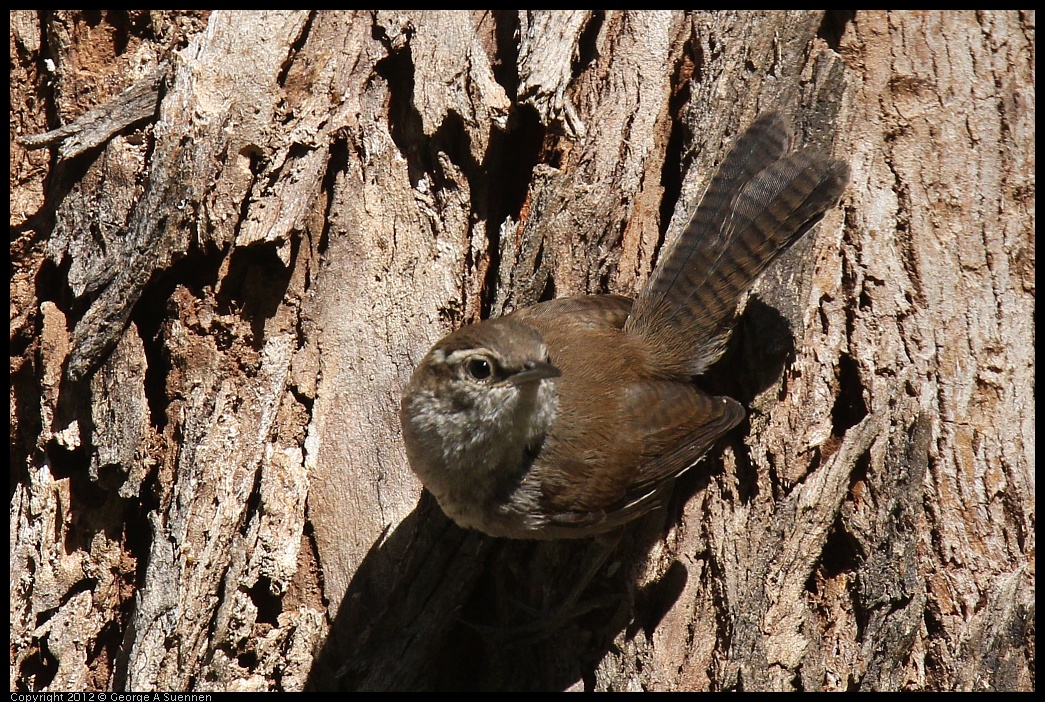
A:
[249,227]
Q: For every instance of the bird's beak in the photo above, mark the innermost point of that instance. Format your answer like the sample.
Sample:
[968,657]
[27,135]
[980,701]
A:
[534,371]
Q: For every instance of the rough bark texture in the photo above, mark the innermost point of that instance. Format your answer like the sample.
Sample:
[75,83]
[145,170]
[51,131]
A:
[247,228]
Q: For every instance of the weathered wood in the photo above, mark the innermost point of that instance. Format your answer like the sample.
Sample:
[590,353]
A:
[216,299]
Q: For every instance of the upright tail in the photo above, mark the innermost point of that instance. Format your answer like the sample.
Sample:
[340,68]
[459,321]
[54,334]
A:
[760,201]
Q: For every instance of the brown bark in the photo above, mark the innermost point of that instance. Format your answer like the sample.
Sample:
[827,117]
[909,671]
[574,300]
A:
[249,227]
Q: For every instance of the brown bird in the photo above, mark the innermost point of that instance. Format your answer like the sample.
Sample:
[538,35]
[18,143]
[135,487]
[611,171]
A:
[571,417]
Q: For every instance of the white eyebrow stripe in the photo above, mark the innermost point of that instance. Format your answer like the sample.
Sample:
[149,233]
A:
[461,354]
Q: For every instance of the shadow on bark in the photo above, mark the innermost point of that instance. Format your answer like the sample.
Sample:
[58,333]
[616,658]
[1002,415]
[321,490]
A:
[465,611]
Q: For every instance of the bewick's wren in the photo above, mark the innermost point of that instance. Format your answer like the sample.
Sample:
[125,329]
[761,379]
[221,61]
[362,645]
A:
[571,417]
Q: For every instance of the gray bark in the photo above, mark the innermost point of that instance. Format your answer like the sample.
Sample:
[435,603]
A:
[247,228]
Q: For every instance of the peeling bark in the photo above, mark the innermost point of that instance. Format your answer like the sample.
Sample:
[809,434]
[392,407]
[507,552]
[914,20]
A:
[246,228]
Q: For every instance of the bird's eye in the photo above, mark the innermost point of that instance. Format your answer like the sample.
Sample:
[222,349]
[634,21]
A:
[479,368]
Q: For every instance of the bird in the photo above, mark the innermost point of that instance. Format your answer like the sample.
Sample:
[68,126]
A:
[572,417]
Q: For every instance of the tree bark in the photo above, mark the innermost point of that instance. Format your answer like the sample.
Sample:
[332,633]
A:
[247,229]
